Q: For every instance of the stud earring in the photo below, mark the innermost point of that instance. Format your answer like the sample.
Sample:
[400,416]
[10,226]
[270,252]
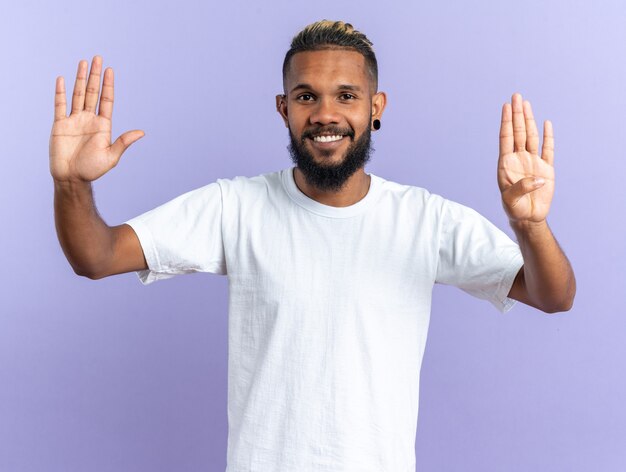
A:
[376,124]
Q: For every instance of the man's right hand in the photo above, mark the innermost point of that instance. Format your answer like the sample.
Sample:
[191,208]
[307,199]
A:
[80,152]
[80,144]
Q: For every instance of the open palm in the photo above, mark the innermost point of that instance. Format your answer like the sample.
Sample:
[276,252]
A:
[526,180]
[80,144]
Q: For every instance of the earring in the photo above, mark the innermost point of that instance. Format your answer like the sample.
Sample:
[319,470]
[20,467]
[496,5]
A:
[376,124]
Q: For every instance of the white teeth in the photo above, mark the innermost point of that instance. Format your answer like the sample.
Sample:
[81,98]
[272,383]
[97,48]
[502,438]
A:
[326,139]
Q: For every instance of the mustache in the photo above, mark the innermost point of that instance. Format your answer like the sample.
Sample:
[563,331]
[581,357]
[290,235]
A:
[328,130]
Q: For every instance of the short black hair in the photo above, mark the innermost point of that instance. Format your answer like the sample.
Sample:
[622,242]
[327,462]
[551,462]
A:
[326,34]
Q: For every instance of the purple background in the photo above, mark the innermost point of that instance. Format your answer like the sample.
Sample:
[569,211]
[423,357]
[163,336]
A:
[111,375]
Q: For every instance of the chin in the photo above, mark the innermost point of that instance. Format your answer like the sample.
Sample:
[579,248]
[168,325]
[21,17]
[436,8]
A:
[330,161]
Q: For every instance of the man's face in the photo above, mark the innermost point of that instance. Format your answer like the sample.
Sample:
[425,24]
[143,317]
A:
[328,110]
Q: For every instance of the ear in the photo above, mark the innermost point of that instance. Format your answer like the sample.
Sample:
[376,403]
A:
[379,101]
[281,108]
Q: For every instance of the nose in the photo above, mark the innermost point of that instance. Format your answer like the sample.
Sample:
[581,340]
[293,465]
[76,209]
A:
[325,112]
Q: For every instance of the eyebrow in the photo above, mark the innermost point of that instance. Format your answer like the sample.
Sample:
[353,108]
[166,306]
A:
[354,88]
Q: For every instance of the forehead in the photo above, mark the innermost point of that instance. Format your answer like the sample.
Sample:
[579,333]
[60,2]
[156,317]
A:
[327,67]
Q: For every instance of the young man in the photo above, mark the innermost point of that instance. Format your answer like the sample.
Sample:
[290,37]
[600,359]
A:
[330,269]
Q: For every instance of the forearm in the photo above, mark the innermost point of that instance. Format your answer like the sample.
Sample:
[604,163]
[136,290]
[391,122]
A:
[86,239]
[548,279]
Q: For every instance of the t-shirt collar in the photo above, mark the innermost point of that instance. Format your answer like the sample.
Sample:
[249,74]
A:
[318,208]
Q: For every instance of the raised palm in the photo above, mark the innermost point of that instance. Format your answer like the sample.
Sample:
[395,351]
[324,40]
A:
[526,179]
[80,144]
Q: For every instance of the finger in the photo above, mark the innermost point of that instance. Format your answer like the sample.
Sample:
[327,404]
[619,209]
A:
[547,150]
[78,96]
[532,135]
[60,103]
[506,131]
[106,99]
[93,85]
[519,127]
[121,144]
[515,192]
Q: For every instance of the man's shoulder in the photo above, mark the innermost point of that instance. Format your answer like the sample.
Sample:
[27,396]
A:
[424,196]
[244,183]
[407,192]
[256,191]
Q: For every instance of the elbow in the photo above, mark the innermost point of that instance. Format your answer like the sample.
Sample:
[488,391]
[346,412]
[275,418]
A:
[564,302]
[559,306]
[87,272]
[84,273]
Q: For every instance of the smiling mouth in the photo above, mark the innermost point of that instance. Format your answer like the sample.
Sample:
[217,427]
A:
[327,144]
[327,139]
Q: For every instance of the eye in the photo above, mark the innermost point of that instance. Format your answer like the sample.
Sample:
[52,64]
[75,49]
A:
[305,97]
[347,96]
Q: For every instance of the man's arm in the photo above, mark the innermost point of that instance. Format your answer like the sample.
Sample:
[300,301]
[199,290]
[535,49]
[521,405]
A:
[526,181]
[546,281]
[93,248]
[80,152]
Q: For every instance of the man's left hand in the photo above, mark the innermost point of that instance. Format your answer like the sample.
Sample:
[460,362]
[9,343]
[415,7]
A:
[526,179]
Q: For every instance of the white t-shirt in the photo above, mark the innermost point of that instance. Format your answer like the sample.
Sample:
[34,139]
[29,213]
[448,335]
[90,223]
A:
[328,310]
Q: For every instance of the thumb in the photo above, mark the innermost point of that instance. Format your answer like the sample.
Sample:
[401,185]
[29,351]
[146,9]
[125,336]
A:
[121,144]
[512,195]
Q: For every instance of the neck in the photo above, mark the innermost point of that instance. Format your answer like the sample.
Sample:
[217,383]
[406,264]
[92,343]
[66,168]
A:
[354,190]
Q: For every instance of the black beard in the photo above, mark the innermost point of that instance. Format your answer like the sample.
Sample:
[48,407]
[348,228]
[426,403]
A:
[330,177]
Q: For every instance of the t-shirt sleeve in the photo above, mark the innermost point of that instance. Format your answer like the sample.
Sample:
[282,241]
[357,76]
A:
[183,235]
[476,256]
